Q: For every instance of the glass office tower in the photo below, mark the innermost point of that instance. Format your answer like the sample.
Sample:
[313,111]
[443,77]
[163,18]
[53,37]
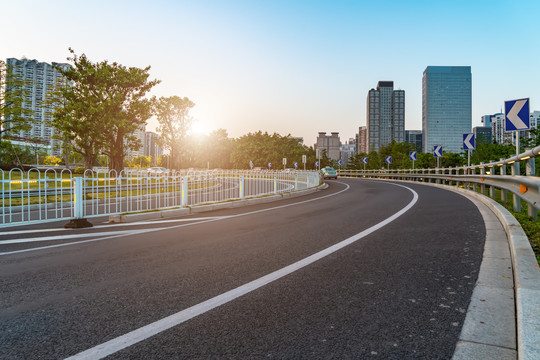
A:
[446,107]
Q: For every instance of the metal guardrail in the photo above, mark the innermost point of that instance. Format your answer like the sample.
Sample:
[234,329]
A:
[485,178]
[37,196]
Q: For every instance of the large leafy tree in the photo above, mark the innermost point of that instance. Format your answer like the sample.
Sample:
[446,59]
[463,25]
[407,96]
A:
[174,122]
[100,107]
[14,115]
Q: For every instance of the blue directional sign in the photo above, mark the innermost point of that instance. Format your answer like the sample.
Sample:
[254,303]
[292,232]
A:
[316,163]
[364,160]
[269,164]
[468,142]
[437,151]
[295,164]
[412,155]
[516,115]
[388,159]
[339,162]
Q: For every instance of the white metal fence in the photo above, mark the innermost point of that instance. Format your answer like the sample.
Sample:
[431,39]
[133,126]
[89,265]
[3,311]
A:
[36,196]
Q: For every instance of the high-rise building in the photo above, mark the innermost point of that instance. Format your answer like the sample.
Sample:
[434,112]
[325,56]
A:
[347,151]
[39,79]
[330,143]
[483,134]
[151,146]
[385,116]
[362,139]
[414,137]
[446,107]
[498,133]
[486,120]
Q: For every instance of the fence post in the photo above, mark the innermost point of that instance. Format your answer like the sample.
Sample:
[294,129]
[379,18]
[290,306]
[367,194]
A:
[517,200]
[295,182]
[275,184]
[492,188]
[78,203]
[504,197]
[530,170]
[482,185]
[184,191]
[242,197]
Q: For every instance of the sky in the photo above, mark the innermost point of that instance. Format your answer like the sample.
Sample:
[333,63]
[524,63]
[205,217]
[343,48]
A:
[291,67]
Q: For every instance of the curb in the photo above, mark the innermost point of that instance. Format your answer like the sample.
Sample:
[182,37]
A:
[168,213]
[526,276]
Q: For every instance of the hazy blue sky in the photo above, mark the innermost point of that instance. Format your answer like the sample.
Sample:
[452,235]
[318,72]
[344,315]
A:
[295,67]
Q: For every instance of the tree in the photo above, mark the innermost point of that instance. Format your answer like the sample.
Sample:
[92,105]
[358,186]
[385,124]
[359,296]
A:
[14,115]
[174,122]
[262,149]
[99,107]
[213,150]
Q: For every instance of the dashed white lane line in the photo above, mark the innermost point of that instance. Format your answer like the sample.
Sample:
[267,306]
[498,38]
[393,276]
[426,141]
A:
[143,333]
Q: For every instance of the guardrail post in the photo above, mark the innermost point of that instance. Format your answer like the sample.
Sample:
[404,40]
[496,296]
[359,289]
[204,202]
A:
[184,191]
[530,170]
[492,188]
[482,185]
[504,197]
[516,199]
[78,203]
[242,197]
[475,185]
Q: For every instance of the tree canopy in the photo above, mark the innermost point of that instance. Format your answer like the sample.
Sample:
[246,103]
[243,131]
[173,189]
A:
[100,106]
[174,122]
[14,115]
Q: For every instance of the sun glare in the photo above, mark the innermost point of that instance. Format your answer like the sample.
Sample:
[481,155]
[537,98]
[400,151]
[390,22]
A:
[198,128]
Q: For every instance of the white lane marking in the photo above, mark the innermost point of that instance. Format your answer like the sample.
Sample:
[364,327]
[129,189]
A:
[143,333]
[176,226]
[73,236]
[20,232]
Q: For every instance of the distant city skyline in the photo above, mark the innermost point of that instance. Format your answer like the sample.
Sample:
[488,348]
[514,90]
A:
[291,67]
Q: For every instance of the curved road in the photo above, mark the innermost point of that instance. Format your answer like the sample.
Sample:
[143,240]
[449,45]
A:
[397,288]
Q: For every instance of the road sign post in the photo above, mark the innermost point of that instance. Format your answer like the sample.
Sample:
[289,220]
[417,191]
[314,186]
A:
[517,117]
[339,164]
[437,152]
[284,163]
[304,160]
[364,161]
[388,162]
[412,157]
[469,143]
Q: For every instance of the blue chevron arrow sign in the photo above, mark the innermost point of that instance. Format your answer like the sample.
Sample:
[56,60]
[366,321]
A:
[468,142]
[516,115]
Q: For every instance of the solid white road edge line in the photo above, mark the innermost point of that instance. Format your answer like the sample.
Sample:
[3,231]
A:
[145,332]
[174,227]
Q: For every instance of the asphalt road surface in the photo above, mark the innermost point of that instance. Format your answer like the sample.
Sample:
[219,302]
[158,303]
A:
[363,269]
